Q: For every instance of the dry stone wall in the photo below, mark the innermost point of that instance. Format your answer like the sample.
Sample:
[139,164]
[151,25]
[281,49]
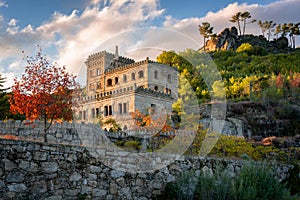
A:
[38,170]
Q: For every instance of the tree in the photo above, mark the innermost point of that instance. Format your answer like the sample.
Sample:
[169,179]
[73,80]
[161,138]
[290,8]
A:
[44,92]
[113,125]
[241,17]
[4,104]
[278,30]
[237,19]
[206,31]
[293,31]
[244,17]
[266,26]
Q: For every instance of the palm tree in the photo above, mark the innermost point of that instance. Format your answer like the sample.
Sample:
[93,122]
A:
[206,31]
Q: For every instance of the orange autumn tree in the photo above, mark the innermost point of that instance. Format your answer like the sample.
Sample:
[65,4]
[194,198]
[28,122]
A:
[44,92]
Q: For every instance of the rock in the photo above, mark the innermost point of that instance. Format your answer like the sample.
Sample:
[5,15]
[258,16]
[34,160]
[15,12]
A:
[116,174]
[9,165]
[39,187]
[15,177]
[99,193]
[49,167]
[75,177]
[40,156]
[17,187]
[113,188]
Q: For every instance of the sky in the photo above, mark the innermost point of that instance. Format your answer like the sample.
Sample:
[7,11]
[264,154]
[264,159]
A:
[69,31]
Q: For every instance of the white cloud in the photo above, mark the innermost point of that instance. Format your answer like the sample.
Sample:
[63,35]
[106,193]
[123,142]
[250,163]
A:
[3,4]
[12,22]
[103,24]
[280,12]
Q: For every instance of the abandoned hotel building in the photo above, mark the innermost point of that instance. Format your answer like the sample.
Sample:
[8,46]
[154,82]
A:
[116,86]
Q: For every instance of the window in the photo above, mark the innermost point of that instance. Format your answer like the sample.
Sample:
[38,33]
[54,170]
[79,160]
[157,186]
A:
[124,78]
[93,113]
[98,85]
[120,108]
[124,107]
[98,72]
[80,115]
[168,91]
[109,110]
[169,78]
[156,88]
[156,75]
[109,82]
[84,115]
[132,76]
[97,112]
[105,110]
[141,74]
[116,80]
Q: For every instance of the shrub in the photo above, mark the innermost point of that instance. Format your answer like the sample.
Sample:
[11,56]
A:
[132,144]
[257,182]
[214,186]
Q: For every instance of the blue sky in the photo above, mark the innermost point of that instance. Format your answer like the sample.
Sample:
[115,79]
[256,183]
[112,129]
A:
[70,30]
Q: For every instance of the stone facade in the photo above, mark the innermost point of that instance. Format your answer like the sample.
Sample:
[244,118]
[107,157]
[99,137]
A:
[117,85]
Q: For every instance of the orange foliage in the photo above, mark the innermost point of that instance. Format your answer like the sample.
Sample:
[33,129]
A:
[44,91]
[144,120]
[10,137]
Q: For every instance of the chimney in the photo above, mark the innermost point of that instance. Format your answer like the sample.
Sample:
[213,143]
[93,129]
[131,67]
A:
[117,53]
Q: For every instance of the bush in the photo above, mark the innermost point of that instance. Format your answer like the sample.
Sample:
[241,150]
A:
[135,145]
[254,181]
[214,186]
[258,182]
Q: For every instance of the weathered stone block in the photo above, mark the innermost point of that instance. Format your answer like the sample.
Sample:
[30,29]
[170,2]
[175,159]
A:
[99,192]
[116,174]
[15,177]
[49,167]
[9,165]
[17,187]
[75,177]
[39,187]
[40,156]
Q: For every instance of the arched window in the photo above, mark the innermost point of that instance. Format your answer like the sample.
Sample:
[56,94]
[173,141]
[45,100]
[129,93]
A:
[109,82]
[132,76]
[116,80]
[156,74]
[156,88]
[124,78]
[141,74]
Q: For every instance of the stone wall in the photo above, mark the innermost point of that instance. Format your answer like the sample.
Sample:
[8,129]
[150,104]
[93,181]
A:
[38,170]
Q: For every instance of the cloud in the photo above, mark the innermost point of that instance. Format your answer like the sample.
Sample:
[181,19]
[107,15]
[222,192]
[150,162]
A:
[70,38]
[75,36]
[280,12]
[3,4]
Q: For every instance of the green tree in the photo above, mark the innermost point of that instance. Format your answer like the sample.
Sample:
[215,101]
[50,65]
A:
[206,31]
[277,30]
[244,17]
[237,19]
[266,26]
[4,103]
[113,126]
[241,17]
